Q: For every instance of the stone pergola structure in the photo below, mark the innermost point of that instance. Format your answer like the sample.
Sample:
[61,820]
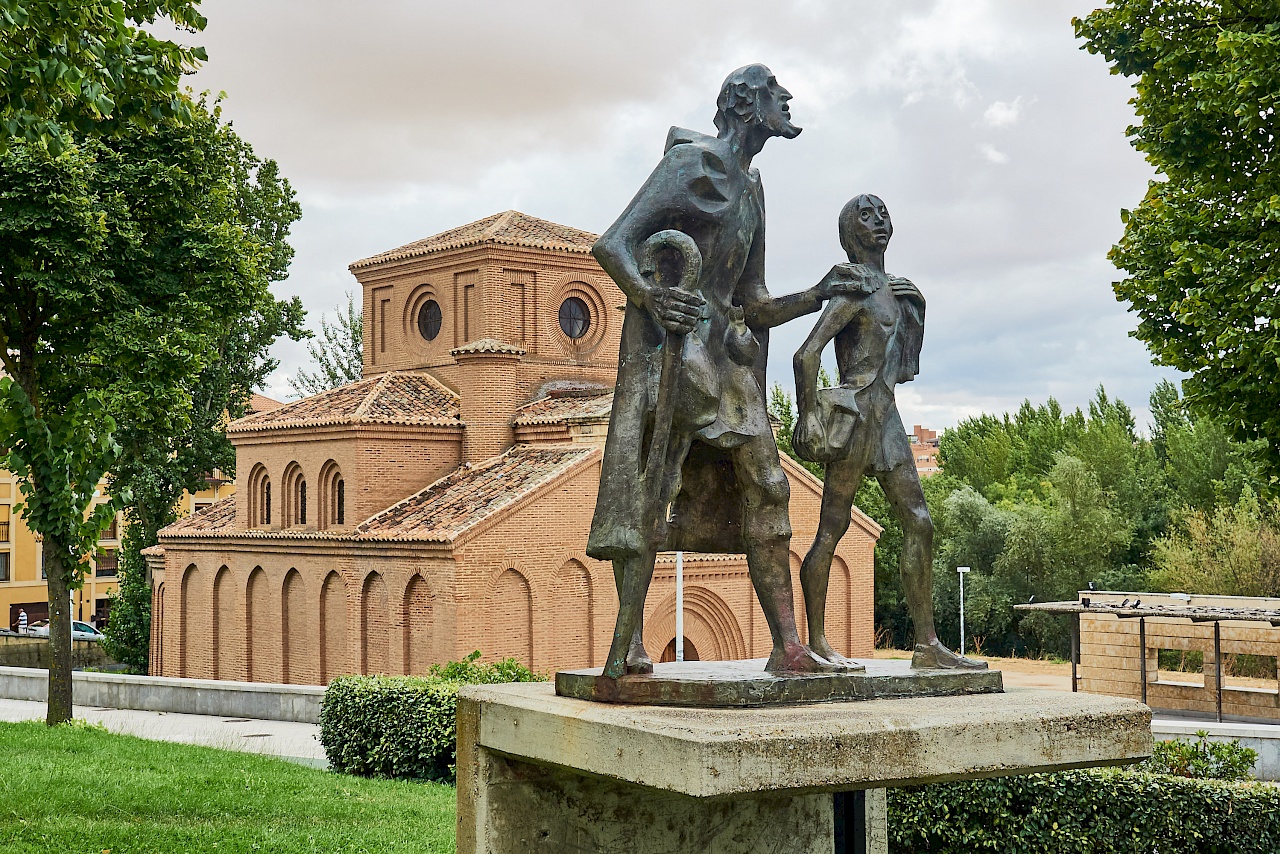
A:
[1117,639]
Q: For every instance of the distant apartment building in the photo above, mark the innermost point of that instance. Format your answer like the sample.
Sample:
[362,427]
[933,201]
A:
[22,579]
[924,447]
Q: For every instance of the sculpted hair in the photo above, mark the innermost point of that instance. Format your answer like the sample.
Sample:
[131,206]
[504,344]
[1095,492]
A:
[849,216]
[740,95]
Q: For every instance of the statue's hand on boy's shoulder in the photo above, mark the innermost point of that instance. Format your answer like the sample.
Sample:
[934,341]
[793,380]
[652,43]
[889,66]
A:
[904,288]
[853,279]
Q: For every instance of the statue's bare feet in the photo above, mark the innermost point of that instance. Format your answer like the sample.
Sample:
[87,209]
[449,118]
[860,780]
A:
[935,656]
[844,663]
[638,660]
[798,658]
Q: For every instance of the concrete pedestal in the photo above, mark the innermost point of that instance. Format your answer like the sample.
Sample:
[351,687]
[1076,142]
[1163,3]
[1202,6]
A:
[539,772]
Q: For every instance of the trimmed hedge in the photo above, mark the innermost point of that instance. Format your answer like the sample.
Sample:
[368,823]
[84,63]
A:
[1107,811]
[403,726]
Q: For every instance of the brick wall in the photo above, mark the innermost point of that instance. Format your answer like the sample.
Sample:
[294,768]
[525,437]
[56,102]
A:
[303,611]
[379,465]
[507,293]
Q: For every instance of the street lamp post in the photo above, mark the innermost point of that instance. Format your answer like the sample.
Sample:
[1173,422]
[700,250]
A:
[680,606]
[962,570]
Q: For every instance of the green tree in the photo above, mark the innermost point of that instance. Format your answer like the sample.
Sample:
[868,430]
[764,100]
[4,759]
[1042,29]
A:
[1053,549]
[87,68]
[252,207]
[122,260]
[1203,466]
[971,531]
[338,353]
[1233,550]
[1201,252]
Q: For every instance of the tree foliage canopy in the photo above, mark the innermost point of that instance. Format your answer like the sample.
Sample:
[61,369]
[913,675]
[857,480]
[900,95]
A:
[86,67]
[338,353]
[126,262]
[251,208]
[1202,249]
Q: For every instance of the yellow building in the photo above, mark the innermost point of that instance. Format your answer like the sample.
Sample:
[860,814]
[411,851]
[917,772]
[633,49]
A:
[22,580]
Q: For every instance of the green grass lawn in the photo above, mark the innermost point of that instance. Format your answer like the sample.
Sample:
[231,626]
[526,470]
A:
[81,790]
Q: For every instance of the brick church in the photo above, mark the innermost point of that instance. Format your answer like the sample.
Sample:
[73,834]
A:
[441,504]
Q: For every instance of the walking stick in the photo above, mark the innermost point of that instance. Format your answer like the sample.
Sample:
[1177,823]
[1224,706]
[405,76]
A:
[655,470]
[654,506]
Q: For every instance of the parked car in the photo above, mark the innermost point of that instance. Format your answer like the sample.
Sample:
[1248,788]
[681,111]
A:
[79,630]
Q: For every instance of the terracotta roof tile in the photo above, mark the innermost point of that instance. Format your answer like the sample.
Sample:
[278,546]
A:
[468,496]
[440,513]
[397,397]
[488,345]
[566,406]
[511,228]
[218,516]
[262,403]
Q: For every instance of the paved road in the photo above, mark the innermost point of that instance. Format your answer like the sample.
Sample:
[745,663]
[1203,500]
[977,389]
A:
[296,742]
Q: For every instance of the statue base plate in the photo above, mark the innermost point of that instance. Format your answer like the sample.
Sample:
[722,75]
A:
[731,684]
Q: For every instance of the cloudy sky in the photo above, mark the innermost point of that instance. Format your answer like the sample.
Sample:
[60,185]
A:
[997,144]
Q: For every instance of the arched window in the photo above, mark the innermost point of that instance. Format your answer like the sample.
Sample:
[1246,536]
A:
[331,500]
[259,495]
[294,508]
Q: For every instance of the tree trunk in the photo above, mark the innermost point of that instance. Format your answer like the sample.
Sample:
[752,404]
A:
[59,636]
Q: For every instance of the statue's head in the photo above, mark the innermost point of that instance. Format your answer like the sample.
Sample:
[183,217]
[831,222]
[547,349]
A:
[865,226]
[752,96]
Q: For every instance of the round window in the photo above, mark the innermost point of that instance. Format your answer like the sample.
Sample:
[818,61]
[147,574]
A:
[575,318]
[429,319]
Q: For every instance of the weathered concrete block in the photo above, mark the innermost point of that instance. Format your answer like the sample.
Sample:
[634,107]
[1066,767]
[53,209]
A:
[26,651]
[535,766]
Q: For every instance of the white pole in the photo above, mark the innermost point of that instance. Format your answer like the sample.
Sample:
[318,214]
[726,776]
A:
[962,570]
[679,606]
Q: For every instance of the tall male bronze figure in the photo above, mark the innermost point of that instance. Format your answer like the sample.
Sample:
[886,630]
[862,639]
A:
[855,427]
[689,254]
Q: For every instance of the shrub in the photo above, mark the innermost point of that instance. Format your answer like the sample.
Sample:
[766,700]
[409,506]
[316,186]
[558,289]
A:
[1202,759]
[403,726]
[1086,812]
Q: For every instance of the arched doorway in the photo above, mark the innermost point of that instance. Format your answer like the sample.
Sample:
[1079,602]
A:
[690,651]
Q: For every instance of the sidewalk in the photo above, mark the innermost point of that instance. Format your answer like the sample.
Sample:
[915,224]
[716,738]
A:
[295,742]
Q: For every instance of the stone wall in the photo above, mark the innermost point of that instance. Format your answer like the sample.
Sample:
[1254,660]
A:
[18,651]
[184,696]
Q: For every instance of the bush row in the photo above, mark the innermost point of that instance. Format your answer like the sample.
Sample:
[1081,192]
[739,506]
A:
[403,726]
[1090,812]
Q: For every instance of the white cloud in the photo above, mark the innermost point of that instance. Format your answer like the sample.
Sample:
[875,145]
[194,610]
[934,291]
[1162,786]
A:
[401,119]
[993,155]
[1003,113]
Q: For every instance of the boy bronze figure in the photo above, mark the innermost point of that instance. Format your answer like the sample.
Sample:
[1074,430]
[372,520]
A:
[856,430]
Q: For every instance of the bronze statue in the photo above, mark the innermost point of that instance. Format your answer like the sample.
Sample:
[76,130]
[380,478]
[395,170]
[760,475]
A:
[855,428]
[690,462]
